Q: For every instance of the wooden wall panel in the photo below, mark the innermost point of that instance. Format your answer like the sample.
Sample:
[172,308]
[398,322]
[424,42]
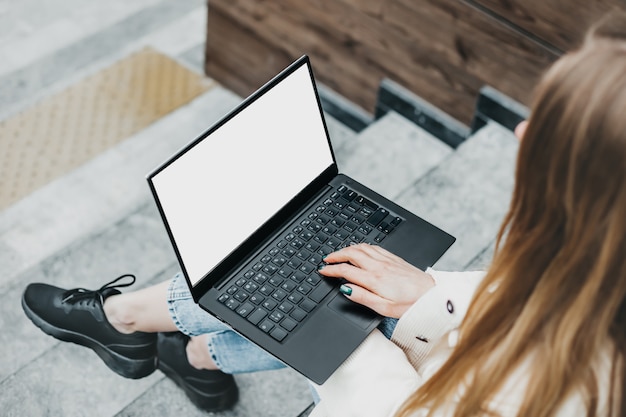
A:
[442,50]
[557,22]
[471,49]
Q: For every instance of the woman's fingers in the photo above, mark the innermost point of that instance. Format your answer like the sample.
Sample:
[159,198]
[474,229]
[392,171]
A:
[353,252]
[358,255]
[377,278]
[361,264]
[347,271]
[367,298]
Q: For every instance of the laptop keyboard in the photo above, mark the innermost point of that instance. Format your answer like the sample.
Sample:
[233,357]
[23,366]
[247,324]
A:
[282,286]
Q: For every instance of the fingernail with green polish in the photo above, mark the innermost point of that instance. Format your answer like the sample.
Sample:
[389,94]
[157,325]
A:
[344,289]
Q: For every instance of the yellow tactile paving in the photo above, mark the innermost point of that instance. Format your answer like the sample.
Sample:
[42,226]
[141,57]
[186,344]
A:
[65,130]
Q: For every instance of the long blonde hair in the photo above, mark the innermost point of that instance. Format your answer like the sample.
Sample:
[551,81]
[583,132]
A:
[560,262]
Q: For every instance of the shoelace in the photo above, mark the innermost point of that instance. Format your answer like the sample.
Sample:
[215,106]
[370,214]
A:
[77,294]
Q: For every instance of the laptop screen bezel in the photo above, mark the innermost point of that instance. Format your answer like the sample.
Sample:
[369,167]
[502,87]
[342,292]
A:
[240,253]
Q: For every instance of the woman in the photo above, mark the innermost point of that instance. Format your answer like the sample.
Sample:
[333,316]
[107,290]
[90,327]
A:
[545,334]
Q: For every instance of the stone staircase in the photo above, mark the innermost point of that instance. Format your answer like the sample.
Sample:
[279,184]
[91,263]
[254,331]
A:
[99,221]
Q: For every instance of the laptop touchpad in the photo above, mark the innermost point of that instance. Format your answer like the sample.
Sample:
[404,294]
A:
[356,313]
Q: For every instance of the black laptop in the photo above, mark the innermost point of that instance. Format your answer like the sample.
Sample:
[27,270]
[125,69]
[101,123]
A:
[254,204]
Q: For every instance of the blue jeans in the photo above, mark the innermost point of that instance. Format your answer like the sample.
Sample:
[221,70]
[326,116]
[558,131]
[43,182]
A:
[231,352]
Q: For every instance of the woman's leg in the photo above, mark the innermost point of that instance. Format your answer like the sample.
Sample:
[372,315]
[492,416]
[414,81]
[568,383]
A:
[198,353]
[144,310]
[213,343]
[168,307]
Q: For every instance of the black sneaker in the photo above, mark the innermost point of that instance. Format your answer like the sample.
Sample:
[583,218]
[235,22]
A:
[77,316]
[208,390]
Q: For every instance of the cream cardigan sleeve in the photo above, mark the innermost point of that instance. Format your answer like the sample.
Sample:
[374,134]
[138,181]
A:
[438,313]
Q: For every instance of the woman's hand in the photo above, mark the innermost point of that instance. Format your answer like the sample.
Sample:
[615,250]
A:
[377,278]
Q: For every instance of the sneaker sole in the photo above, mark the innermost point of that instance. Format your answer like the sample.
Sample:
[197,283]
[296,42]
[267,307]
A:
[217,401]
[121,365]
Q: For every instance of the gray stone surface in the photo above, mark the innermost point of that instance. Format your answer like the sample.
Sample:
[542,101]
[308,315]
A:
[194,58]
[483,259]
[391,154]
[68,380]
[468,194]
[26,83]
[340,135]
[270,394]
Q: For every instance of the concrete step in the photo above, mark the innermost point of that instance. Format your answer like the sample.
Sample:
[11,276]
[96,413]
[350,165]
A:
[45,49]
[350,115]
[468,194]
[394,97]
[391,154]
[340,134]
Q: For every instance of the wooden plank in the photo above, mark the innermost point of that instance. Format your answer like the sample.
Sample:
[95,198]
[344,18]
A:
[276,32]
[237,58]
[478,46]
[443,50]
[558,23]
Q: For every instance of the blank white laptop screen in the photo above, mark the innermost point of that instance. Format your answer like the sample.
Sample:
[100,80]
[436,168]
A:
[256,162]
